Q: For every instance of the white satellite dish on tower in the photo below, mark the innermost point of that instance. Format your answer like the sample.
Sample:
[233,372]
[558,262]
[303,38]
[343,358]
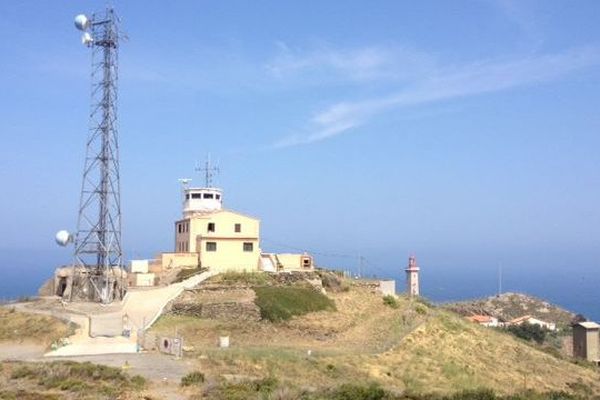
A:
[82,22]
[87,39]
[63,238]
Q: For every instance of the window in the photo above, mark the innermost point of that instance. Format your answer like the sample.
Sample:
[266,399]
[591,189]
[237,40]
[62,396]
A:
[208,195]
[238,228]
[196,195]
[217,196]
[187,196]
[211,227]
[248,246]
[306,262]
[211,246]
[179,228]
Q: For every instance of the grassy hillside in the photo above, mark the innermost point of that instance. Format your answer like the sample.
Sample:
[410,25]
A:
[409,348]
[18,326]
[448,354]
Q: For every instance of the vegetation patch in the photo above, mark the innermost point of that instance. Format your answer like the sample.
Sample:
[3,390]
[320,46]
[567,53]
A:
[529,332]
[282,303]
[243,278]
[188,273]
[19,326]
[193,379]
[390,301]
[73,377]
[249,389]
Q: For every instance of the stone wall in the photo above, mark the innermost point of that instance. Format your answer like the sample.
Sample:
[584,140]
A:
[214,302]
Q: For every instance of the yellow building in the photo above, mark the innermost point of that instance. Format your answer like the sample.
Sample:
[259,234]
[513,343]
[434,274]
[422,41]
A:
[222,240]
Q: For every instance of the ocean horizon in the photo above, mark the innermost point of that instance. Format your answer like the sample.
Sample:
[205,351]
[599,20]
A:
[574,289]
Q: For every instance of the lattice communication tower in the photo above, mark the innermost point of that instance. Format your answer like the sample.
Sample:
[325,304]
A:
[98,273]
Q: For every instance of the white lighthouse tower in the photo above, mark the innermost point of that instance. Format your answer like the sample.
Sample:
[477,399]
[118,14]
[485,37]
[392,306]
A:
[412,277]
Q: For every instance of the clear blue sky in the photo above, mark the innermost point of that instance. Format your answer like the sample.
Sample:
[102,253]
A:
[463,131]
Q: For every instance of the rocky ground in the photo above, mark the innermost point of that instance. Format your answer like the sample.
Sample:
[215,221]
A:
[509,306]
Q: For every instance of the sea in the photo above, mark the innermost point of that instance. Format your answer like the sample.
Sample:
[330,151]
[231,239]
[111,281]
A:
[576,288]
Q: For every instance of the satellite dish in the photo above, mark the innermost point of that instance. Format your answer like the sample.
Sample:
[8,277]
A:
[87,39]
[82,22]
[63,238]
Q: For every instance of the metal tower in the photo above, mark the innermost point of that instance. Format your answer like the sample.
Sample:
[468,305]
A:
[98,266]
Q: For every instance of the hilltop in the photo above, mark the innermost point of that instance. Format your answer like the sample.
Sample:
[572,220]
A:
[406,346]
[306,336]
[509,306]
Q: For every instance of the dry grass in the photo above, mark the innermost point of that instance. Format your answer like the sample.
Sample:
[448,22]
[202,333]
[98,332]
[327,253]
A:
[413,348]
[449,354]
[18,326]
[67,380]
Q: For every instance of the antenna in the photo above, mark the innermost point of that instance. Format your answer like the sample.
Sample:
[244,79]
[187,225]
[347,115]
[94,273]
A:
[98,256]
[185,182]
[209,172]
[499,279]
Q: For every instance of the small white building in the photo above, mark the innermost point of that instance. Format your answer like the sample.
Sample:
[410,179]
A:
[533,321]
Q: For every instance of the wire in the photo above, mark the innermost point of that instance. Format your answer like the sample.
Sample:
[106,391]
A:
[363,260]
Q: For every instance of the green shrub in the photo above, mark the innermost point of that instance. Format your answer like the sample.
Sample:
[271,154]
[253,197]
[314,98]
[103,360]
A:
[421,309]
[529,332]
[358,392]
[22,372]
[193,379]
[187,273]
[246,389]
[390,301]
[244,278]
[282,303]
[480,394]
[138,382]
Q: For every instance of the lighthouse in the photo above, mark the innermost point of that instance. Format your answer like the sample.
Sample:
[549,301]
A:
[412,277]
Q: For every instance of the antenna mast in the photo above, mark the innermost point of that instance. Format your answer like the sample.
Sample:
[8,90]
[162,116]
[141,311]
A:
[98,257]
[209,172]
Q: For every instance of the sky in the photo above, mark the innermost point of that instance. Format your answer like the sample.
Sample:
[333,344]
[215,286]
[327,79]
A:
[465,132]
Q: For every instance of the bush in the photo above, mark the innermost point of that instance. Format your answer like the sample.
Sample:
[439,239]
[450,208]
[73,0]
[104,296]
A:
[282,303]
[193,379]
[187,273]
[421,309]
[529,332]
[390,301]
[359,392]
[246,389]
[245,278]
[481,394]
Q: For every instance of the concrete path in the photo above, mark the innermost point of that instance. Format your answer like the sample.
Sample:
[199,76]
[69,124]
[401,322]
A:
[141,309]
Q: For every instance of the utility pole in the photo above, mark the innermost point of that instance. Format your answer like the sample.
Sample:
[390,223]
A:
[499,279]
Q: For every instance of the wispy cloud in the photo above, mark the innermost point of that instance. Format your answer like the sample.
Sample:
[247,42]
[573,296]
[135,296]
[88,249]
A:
[446,84]
[328,65]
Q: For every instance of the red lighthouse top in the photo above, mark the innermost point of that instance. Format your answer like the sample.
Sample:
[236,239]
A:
[412,264]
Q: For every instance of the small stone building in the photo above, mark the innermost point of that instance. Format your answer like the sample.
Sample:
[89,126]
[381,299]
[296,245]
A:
[586,341]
